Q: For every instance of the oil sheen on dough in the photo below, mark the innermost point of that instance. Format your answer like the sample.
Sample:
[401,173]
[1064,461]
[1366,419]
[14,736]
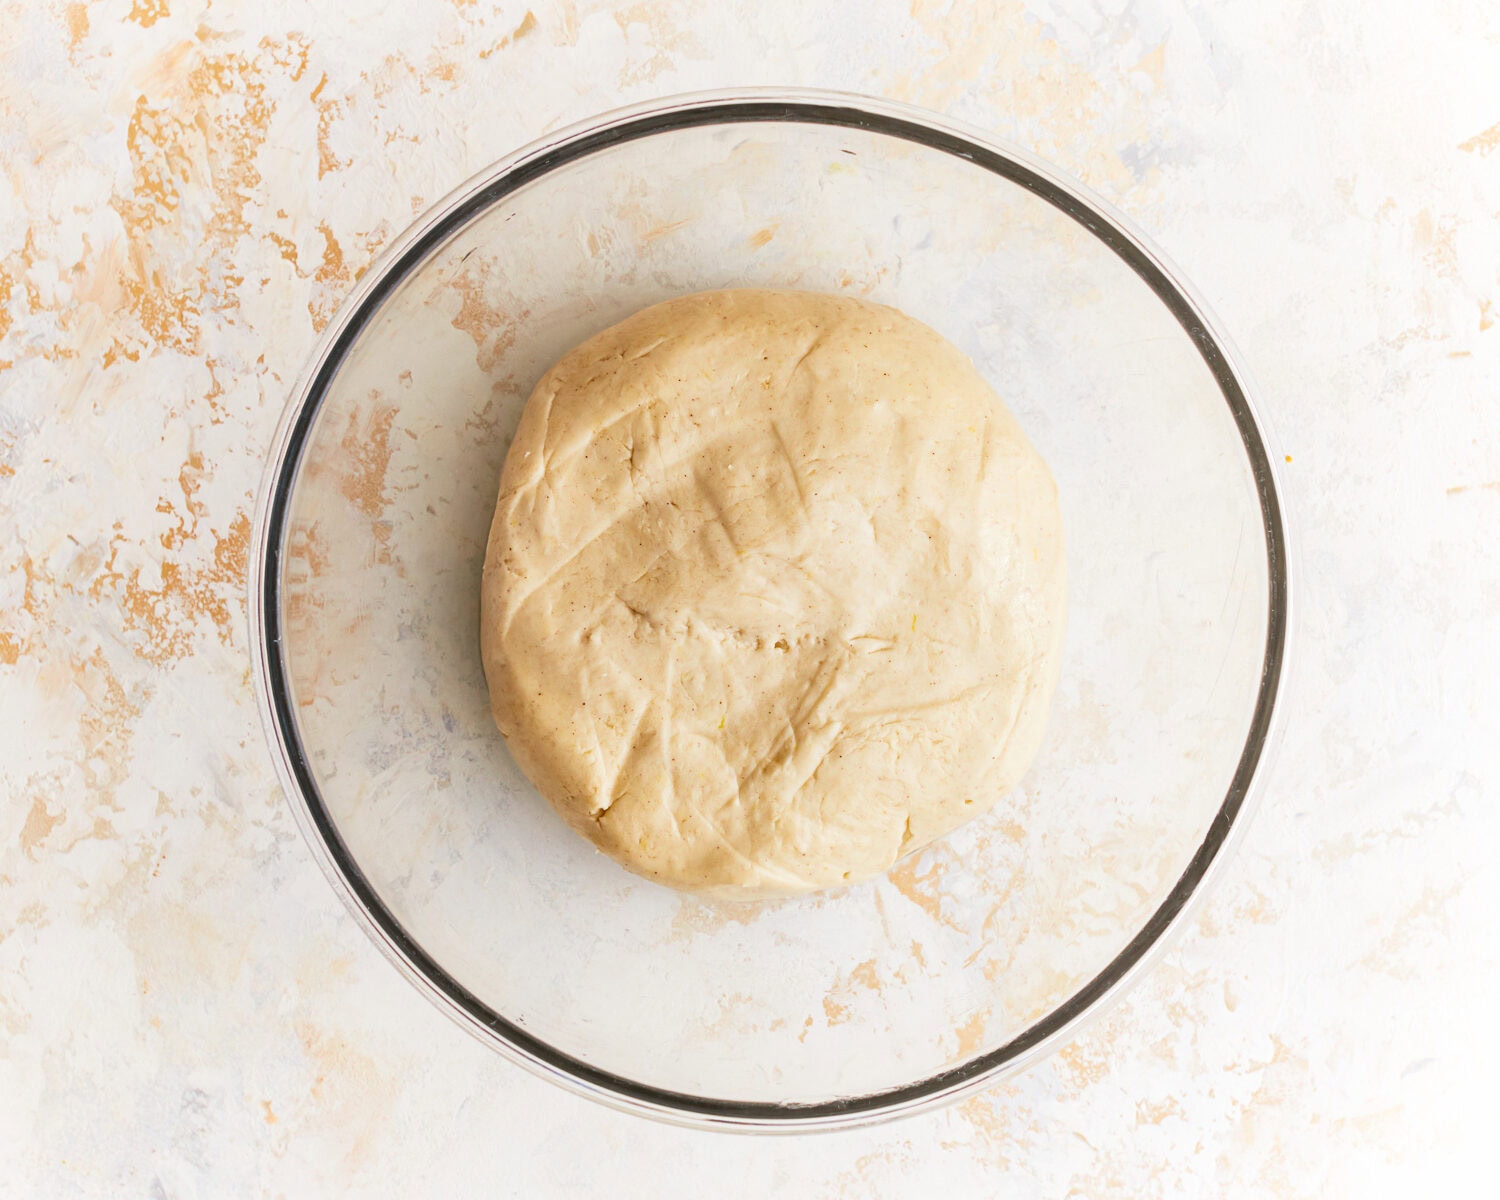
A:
[774,593]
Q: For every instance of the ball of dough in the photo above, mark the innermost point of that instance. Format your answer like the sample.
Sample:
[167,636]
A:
[774,592]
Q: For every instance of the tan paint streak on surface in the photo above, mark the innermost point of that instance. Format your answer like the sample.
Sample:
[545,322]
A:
[762,236]
[660,231]
[195,129]
[167,613]
[1005,53]
[76,19]
[1423,921]
[284,245]
[493,332]
[7,287]
[1153,64]
[332,278]
[1258,909]
[1012,831]
[864,975]
[18,267]
[368,450]
[991,1115]
[360,473]
[107,728]
[1280,1054]
[158,144]
[1276,1078]
[666,41]
[39,823]
[308,557]
[350,1092]
[922,886]
[696,916]
[970,1034]
[1083,1066]
[528,23]
[1154,1113]
[838,1003]
[1483,143]
[564,14]
[1439,242]
[147,13]
[329,110]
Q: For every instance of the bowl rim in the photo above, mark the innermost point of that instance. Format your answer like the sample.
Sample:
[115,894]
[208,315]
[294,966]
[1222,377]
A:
[413,247]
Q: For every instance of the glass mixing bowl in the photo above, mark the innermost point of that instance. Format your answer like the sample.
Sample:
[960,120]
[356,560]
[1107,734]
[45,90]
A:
[967,961]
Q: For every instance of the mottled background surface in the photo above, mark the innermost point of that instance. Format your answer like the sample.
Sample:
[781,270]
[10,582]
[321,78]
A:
[189,188]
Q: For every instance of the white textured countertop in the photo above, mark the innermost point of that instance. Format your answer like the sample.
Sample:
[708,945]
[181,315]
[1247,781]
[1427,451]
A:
[188,190]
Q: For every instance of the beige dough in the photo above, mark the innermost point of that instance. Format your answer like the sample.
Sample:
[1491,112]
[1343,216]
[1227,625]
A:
[774,593]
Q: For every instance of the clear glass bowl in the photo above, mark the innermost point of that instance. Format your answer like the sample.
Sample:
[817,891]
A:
[976,956]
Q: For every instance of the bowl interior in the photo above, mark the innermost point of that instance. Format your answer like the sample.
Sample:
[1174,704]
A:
[959,950]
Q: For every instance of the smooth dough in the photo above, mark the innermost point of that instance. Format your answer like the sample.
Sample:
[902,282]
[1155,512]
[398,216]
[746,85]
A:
[774,592]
